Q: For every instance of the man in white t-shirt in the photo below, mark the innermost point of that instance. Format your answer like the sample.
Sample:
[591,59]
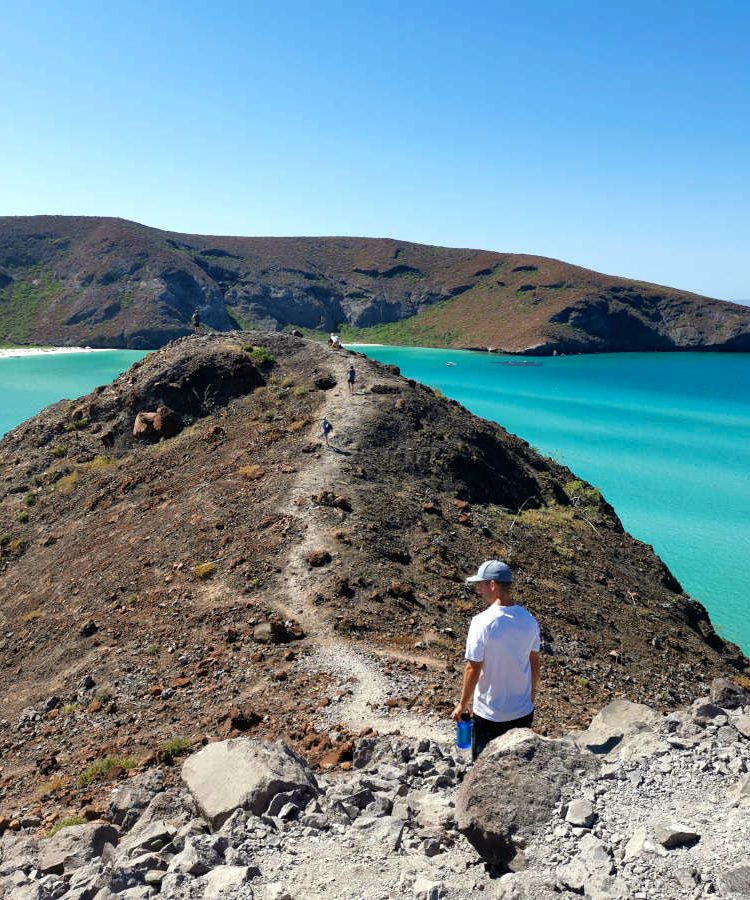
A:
[502,660]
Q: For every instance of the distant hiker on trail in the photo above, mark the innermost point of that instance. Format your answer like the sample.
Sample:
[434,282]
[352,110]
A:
[502,660]
[334,342]
[350,378]
[196,320]
[326,428]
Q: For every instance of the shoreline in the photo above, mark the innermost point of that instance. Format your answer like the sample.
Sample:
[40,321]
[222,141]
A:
[11,352]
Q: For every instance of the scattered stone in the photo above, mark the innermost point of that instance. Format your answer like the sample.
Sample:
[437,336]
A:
[580,813]
[427,889]
[243,773]
[74,846]
[675,835]
[728,694]
[317,558]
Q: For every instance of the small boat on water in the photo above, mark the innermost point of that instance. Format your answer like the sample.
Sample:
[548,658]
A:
[451,364]
[522,365]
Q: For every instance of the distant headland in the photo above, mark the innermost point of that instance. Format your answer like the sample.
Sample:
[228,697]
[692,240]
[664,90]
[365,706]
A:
[105,282]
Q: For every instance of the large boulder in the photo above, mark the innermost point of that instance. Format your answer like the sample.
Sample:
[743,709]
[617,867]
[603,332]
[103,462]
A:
[617,720]
[728,694]
[244,773]
[74,846]
[514,787]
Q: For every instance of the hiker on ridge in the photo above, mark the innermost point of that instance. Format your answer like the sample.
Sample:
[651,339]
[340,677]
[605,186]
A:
[196,320]
[326,428]
[502,660]
[350,378]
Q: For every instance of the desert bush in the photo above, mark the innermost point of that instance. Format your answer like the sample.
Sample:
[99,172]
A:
[102,768]
[65,823]
[204,570]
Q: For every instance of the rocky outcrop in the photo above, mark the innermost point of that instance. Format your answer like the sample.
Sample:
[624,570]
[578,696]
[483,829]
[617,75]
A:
[669,824]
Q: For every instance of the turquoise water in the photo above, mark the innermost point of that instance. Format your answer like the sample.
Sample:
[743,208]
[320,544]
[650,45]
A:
[29,383]
[665,436]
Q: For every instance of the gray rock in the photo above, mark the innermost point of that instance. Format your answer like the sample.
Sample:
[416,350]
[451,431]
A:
[674,834]
[191,828]
[173,806]
[704,711]
[75,846]
[199,855]
[150,837]
[86,882]
[228,882]
[580,813]
[741,791]
[736,882]
[727,734]
[728,693]
[612,723]
[513,788]
[742,724]
[427,889]
[386,830]
[606,887]
[572,876]
[642,842]
[244,773]
[127,802]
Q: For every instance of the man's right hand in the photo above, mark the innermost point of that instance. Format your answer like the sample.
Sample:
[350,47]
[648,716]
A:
[459,711]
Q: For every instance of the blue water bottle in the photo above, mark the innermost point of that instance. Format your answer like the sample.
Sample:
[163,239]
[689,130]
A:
[463,732]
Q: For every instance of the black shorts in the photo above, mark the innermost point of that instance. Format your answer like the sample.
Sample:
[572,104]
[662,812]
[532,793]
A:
[484,731]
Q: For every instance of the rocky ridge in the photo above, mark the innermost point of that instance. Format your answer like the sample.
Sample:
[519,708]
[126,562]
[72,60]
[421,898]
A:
[221,573]
[112,283]
[654,808]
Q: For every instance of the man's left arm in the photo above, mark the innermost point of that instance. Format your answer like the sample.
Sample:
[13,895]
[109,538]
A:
[534,663]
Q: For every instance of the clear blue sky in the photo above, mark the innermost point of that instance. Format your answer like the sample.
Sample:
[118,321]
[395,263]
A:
[615,135]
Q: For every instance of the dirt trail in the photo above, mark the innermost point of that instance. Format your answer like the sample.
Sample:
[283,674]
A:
[352,669]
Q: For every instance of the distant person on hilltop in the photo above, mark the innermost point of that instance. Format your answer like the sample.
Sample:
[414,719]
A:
[196,320]
[502,660]
[351,376]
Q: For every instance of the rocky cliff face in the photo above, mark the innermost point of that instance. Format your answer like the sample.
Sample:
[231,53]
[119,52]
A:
[220,572]
[112,283]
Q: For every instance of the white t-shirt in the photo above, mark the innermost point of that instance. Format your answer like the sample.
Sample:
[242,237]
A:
[502,637]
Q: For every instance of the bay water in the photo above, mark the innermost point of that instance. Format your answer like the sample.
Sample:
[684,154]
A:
[664,436]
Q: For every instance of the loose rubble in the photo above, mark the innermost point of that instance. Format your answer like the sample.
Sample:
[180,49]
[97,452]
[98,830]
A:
[659,810]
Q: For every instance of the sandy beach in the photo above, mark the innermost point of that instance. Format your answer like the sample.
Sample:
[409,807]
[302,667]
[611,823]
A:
[7,352]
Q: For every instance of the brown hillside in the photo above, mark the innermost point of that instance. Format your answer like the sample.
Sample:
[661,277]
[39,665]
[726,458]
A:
[112,283]
[240,577]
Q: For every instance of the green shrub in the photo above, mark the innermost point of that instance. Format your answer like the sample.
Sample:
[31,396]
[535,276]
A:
[204,570]
[583,494]
[152,649]
[175,747]
[65,823]
[23,517]
[67,484]
[76,425]
[60,451]
[102,768]
[260,355]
